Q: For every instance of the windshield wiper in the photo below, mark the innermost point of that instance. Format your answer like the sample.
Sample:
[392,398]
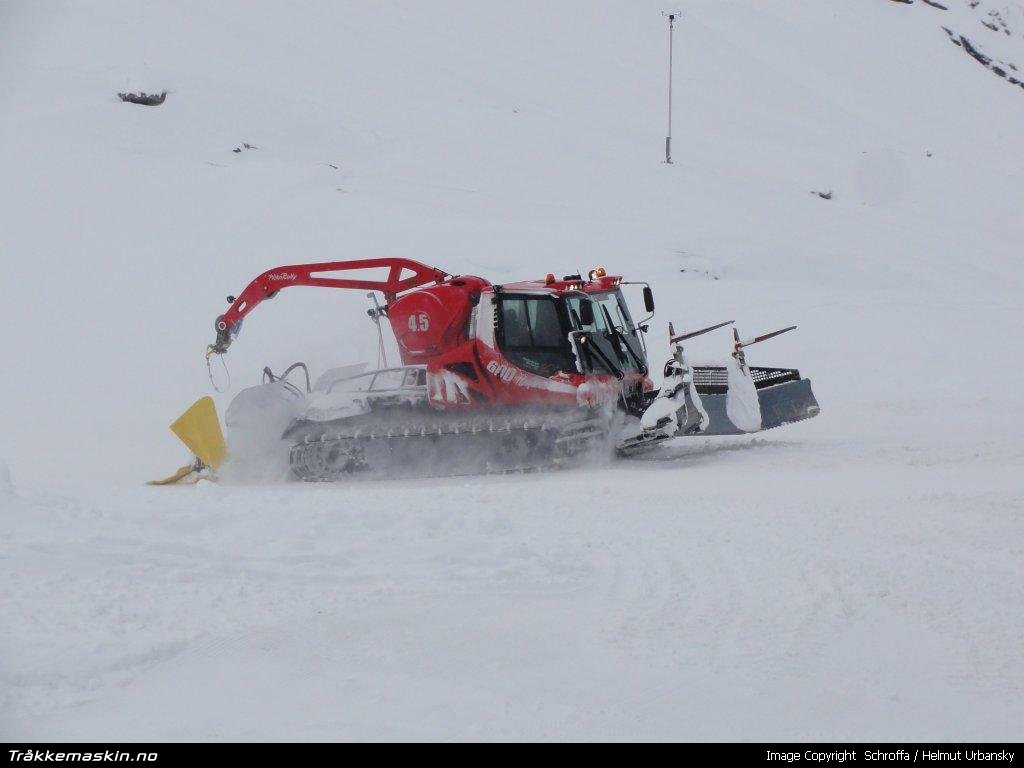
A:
[641,365]
[615,331]
[591,348]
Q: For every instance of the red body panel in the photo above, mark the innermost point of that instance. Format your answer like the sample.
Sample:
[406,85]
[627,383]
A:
[433,321]
[475,375]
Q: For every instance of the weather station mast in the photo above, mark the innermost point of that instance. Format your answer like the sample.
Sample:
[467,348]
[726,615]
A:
[671,30]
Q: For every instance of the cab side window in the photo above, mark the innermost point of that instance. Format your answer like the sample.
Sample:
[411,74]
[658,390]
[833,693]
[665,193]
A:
[532,336]
[545,327]
[515,323]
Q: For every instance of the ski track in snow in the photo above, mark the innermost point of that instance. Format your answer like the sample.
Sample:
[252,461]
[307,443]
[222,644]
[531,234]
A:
[856,576]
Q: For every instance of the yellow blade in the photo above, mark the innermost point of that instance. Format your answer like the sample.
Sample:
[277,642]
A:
[178,475]
[199,429]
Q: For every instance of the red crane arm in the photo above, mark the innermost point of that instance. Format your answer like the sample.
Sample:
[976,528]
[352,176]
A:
[273,280]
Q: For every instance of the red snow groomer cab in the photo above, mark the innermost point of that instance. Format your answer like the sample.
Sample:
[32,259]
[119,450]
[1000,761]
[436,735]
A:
[553,341]
[493,378]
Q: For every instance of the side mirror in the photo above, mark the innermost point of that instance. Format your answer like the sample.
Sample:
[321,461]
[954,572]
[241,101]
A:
[648,298]
[586,312]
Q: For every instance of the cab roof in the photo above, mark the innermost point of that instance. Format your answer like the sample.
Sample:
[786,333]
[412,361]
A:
[568,284]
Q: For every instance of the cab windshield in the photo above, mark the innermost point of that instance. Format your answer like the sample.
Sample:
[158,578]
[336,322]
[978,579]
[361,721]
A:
[612,329]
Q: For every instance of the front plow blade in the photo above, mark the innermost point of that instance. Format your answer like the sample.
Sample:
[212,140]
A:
[784,397]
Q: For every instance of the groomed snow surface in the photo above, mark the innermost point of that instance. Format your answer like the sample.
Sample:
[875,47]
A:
[856,576]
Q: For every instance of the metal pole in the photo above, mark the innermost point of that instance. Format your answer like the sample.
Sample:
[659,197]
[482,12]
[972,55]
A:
[375,314]
[668,138]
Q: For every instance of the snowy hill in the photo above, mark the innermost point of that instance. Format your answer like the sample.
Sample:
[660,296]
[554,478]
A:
[856,576]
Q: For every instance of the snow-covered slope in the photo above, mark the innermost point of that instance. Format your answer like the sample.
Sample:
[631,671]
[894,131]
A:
[855,576]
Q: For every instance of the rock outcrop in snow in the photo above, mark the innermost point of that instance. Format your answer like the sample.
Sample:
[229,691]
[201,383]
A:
[999,54]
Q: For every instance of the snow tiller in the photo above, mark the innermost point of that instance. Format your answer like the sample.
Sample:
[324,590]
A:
[500,378]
